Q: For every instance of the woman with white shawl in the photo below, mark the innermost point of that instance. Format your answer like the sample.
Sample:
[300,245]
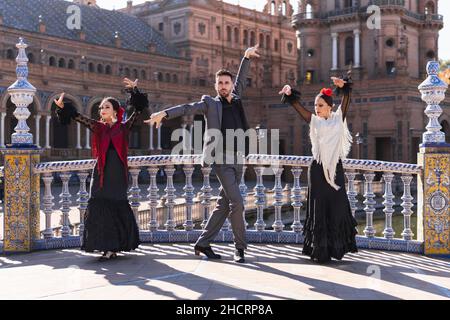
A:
[330,228]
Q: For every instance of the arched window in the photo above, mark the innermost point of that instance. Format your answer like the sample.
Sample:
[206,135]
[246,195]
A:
[261,40]
[143,75]
[108,69]
[290,47]
[167,77]
[252,38]
[236,35]
[52,62]
[100,68]
[62,63]
[91,67]
[276,45]
[228,33]
[60,133]
[135,74]
[429,8]
[10,54]
[268,42]
[430,54]
[245,42]
[273,8]
[31,58]
[349,50]
[160,76]
[284,8]
[127,72]
[175,78]
[446,130]
[71,64]
[309,11]
[135,138]
[218,33]
[337,4]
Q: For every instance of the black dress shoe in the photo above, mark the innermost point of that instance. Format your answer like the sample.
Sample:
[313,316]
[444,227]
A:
[207,251]
[239,256]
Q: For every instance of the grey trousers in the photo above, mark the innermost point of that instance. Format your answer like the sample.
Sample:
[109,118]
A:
[229,203]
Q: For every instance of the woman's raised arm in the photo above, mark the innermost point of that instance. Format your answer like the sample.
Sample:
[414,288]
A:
[292,97]
[66,113]
[344,87]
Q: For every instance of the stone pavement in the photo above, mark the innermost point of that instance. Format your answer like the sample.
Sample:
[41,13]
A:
[171,271]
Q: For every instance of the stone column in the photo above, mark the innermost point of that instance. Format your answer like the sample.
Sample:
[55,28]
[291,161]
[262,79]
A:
[159,136]
[88,139]
[47,131]
[357,33]
[433,214]
[78,135]
[334,37]
[38,130]
[2,130]
[150,144]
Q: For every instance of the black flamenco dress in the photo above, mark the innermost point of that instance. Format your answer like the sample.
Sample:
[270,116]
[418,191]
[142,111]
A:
[110,224]
[329,229]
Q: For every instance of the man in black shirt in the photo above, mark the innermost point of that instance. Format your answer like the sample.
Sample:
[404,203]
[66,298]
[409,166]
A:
[223,112]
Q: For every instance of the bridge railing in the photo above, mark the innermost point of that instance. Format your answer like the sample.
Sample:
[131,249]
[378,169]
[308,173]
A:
[270,205]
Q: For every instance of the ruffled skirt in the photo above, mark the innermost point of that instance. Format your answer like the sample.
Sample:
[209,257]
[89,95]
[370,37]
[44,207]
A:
[110,224]
[330,228]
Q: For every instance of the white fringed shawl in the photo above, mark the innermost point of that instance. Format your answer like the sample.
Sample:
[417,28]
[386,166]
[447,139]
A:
[331,141]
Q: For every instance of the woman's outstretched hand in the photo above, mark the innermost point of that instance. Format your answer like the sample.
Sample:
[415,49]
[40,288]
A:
[60,102]
[130,84]
[338,82]
[287,90]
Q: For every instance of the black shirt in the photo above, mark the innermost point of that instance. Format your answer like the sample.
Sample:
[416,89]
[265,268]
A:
[232,118]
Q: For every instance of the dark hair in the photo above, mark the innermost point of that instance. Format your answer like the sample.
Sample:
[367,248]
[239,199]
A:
[115,103]
[224,72]
[328,99]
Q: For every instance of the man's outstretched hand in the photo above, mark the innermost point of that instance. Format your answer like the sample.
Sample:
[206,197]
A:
[252,52]
[156,118]
[287,90]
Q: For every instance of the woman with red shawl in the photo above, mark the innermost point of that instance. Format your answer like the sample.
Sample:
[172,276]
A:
[110,225]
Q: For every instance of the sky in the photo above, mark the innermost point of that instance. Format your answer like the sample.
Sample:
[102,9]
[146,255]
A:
[444,9]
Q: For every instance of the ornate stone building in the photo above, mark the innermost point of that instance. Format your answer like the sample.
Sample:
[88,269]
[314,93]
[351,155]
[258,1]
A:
[175,61]
[214,34]
[388,59]
[175,47]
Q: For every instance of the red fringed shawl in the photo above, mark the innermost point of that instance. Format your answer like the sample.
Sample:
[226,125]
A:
[101,138]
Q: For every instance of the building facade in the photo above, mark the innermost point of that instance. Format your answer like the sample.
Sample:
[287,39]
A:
[175,63]
[174,48]
[387,47]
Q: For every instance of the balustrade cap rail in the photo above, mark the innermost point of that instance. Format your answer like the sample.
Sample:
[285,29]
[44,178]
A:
[252,159]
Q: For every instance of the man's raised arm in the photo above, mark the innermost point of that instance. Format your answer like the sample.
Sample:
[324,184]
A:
[241,79]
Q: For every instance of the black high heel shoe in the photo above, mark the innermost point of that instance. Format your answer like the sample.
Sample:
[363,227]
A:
[108,255]
[207,251]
